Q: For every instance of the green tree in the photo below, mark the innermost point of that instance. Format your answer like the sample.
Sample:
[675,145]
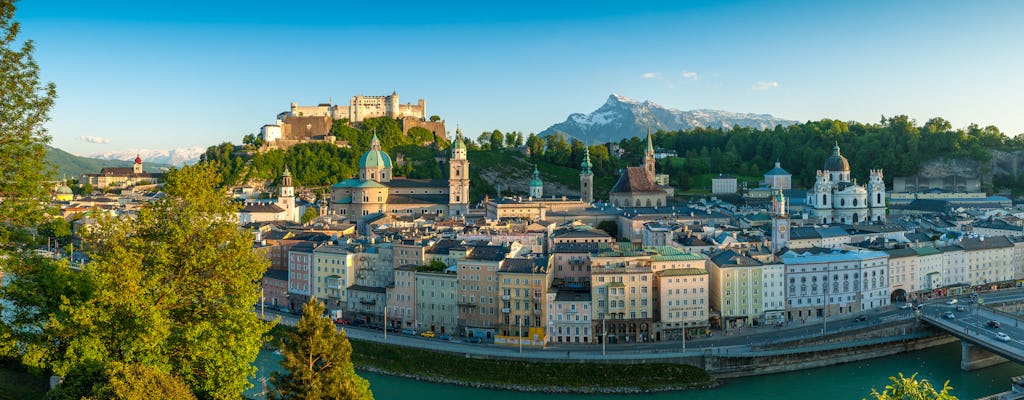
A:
[497,140]
[536,145]
[120,381]
[435,118]
[24,108]
[610,227]
[172,289]
[309,215]
[317,358]
[58,229]
[909,388]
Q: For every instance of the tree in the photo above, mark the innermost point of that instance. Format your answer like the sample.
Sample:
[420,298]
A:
[58,229]
[172,289]
[610,227]
[536,145]
[909,388]
[435,118]
[497,140]
[24,109]
[317,358]
[120,381]
[309,215]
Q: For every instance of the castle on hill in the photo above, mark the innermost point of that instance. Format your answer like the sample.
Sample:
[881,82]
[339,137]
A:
[302,124]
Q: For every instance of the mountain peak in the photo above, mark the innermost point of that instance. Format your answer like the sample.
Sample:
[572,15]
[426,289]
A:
[622,117]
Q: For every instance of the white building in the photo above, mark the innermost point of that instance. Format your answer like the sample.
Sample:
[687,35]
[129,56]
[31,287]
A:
[569,316]
[829,282]
[683,302]
[835,198]
[723,184]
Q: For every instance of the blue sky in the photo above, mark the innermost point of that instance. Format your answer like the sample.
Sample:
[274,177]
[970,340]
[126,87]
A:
[160,76]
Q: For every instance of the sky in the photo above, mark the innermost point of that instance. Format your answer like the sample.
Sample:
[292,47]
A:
[163,75]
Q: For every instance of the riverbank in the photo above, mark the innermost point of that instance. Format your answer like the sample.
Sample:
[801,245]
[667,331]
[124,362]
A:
[564,376]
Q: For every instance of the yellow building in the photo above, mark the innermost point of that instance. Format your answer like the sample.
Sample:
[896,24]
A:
[524,284]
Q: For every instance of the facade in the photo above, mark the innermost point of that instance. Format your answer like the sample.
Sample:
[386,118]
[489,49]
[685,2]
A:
[836,199]
[988,259]
[929,268]
[523,283]
[568,316]
[402,298]
[622,296]
[333,272]
[361,107]
[954,267]
[826,282]
[745,290]
[300,274]
[436,304]
[683,303]
[533,209]
[723,184]
[780,223]
[121,176]
[903,270]
[778,178]
[479,302]
[376,190]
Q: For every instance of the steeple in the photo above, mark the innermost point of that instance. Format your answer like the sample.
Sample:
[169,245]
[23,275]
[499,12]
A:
[586,177]
[585,166]
[649,157]
[650,143]
[536,185]
[137,167]
[375,143]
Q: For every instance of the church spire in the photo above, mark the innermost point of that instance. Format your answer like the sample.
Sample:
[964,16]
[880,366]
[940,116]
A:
[650,143]
[585,166]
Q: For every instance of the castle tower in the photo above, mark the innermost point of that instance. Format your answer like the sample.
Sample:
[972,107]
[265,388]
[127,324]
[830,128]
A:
[586,178]
[649,157]
[780,222]
[137,167]
[876,195]
[458,178]
[536,186]
[286,195]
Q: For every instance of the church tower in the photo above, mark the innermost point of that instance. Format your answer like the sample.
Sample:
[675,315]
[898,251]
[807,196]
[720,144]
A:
[458,178]
[780,222]
[286,195]
[649,157]
[137,167]
[586,178]
[536,185]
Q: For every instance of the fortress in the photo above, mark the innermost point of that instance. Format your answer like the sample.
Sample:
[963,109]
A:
[313,123]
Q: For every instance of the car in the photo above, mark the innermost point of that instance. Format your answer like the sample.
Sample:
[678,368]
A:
[285,310]
[408,331]
[1003,337]
[992,324]
[952,301]
[950,315]
[474,339]
[861,318]
[428,334]
[375,326]
[444,336]
[357,322]
[341,321]
[961,308]
[906,306]
[392,328]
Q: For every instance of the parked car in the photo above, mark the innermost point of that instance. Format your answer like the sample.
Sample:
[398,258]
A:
[285,310]
[906,306]
[428,334]
[950,315]
[861,318]
[376,326]
[392,328]
[444,336]
[341,321]
[961,308]
[992,324]
[408,331]
[357,322]
[1003,337]
[474,339]
[952,301]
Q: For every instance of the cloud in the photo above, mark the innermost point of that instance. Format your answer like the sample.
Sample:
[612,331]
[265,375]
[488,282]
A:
[94,139]
[689,75]
[650,75]
[761,86]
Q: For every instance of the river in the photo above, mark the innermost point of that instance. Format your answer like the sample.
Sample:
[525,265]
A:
[846,381]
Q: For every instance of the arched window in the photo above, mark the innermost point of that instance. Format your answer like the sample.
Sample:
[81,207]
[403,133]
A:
[824,199]
[842,202]
[878,198]
[855,218]
[854,202]
[648,202]
[636,202]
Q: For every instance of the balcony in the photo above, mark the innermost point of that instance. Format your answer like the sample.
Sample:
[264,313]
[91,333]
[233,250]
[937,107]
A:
[505,310]
[369,302]
[571,311]
[467,304]
[505,297]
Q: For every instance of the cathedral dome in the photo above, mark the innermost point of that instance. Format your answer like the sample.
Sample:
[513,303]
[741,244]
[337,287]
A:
[536,178]
[375,157]
[836,162]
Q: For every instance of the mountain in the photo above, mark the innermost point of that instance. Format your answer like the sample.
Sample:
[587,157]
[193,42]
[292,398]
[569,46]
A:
[67,165]
[621,117]
[176,157]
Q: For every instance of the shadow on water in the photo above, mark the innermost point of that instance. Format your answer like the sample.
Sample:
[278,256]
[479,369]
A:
[847,381]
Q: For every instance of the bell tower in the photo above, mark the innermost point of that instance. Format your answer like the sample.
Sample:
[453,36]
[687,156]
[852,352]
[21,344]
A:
[458,178]
[780,222]
[586,178]
[649,157]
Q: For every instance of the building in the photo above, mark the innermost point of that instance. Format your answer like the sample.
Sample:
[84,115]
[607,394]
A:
[568,316]
[334,269]
[989,260]
[436,300]
[376,190]
[836,199]
[524,284]
[903,271]
[744,290]
[682,303]
[479,302]
[283,208]
[622,290]
[586,178]
[300,274]
[533,209]
[402,298]
[821,283]
[123,177]
[723,184]
[636,187]
[778,178]
[361,107]
[536,185]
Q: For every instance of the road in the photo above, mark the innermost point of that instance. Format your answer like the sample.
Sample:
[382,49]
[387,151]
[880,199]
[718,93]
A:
[972,323]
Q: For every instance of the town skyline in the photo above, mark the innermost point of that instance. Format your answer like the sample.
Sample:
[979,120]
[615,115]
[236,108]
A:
[136,76]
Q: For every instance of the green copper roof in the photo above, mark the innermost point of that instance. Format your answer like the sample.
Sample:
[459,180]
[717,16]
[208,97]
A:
[683,271]
[459,144]
[585,166]
[536,178]
[375,157]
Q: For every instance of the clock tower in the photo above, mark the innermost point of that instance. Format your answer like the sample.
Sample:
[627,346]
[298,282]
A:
[780,222]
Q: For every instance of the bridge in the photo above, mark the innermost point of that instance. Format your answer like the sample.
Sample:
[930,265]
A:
[981,347]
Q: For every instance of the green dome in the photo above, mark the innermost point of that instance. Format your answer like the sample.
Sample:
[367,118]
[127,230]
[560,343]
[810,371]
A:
[64,190]
[375,157]
[536,178]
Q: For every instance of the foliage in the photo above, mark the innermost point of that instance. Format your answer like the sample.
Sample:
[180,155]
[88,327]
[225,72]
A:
[58,229]
[435,118]
[432,266]
[16,383]
[172,289]
[909,388]
[610,227]
[120,381]
[24,109]
[317,358]
[309,215]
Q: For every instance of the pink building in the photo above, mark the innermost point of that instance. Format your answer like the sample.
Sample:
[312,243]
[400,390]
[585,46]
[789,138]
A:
[300,262]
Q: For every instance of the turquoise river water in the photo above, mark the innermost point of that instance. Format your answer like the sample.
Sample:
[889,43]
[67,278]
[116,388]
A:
[846,381]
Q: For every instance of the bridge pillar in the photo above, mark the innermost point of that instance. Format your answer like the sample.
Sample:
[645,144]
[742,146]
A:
[974,357]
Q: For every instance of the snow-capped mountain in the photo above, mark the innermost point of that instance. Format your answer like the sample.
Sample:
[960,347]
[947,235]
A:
[175,157]
[622,117]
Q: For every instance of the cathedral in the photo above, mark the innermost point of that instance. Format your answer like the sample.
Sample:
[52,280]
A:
[376,190]
[834,199]
[636,186]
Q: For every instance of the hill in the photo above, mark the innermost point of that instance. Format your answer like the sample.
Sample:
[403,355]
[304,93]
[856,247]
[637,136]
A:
[71,166]
[621,118]
[512,171]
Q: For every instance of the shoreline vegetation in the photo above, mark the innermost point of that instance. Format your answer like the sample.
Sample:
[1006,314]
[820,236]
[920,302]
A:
[525,376]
